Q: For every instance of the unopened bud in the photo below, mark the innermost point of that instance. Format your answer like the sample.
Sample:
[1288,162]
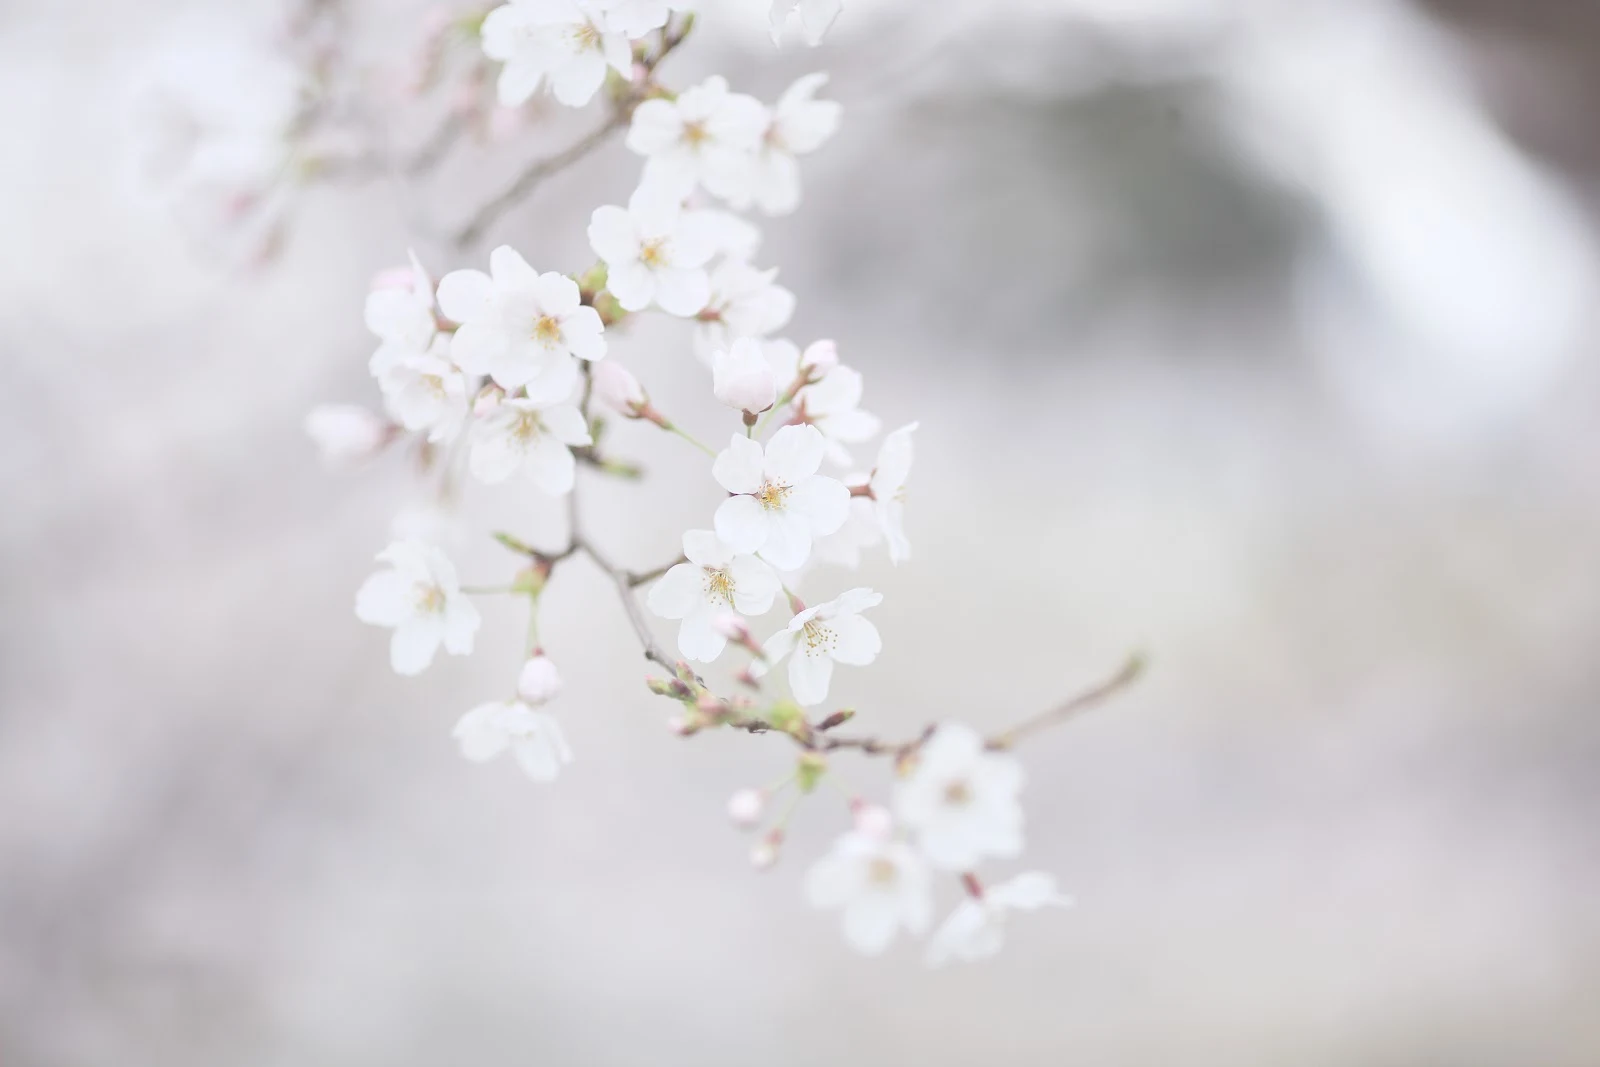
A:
[742,378]
[618,389]
[539,681]
[819,358]
[711,707]
[838,718]
[809,771]
[732,626]
[746,807]
[765,853]
[873,820]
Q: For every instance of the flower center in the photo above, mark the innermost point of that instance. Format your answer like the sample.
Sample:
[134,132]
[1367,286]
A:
[430,599]
[719,586]
[772,495]
[653,253]
[547,331]
[958,794]
[818,637]
[694,134]
[586,37]
[882,872]
[435,385]
[528,427]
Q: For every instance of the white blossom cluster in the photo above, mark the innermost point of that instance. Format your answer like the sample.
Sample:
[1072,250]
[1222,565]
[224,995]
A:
[504,370]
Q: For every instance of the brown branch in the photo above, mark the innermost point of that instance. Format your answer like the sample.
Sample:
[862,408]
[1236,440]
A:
[1130,672]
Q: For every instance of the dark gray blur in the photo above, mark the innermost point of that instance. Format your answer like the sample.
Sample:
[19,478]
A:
[1258,336]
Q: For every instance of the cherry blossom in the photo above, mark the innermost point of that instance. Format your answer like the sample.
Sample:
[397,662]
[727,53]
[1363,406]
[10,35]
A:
[399,310]
[708,136]
[534,738]
[535,438]
[961,800]
[715,580]
[744,302]
[799,124]
[842,548]
[831,402]
[742,378]
[539,682]
[732,236]
[976,929]
[424,391]
[638,17]
[419,597]
[821,636]
[888,485]
[346,435]
[881,885]
[520,327]
[812,18]
[780,502]
[617,388]
[563,43]
[654,252]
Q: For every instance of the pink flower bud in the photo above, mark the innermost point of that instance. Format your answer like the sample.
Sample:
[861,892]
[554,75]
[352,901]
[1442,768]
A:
[731,626]
[345,434]
[746,807]
[873,820]
[821,357]
[742,378]
[539,681]
[618,389]
[765,853]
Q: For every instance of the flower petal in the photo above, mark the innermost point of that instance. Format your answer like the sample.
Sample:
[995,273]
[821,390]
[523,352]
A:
[677,592]
[741,522]
[809,676]
[737,468]
[794,454]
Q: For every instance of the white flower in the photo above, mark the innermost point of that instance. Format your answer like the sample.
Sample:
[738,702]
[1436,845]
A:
[832,401]
[399,310]
[811,17]
[531,437]
[821,636]
[424,391]
[961,799]
[638,17]
[888,486]
[780,502]
[654,251]
[882,885]
[714,581]
[534,738]
[742,378]
[539,681]
[842,548]
[563,42]
[799,125]
[347,435]
[708,136]
[976,929]
[744,302]
[420,598]
[731,236]
[520,327]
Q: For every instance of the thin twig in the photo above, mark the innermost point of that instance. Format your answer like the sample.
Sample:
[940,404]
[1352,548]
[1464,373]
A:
[1130,672]
[529,179]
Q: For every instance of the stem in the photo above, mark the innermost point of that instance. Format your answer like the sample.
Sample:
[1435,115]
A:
[1130,672]
[673,427]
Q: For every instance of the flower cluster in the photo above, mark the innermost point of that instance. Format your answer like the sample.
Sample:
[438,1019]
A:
[501,374]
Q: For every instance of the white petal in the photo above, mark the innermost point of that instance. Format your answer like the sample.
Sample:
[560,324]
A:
[857,641]
[461,622]
[706,548]
[737,468]
[824,503]
[387,598]
[681,290]
[566,424]
[632,283]
[698,637]
[414,644]
[584,333]
[552,467]
[794,454]
[655,127]
[576,81]
[1027,891]
[479,733]
[677,592]
[741,522]
[809,677]
[755,585]
[775,647]
[477,346]
[612,235]
[787,545]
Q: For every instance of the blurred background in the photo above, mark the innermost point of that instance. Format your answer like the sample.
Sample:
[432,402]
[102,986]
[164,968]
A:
[1256,335]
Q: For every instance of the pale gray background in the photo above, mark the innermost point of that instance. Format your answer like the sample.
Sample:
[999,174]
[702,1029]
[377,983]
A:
[1348,819]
